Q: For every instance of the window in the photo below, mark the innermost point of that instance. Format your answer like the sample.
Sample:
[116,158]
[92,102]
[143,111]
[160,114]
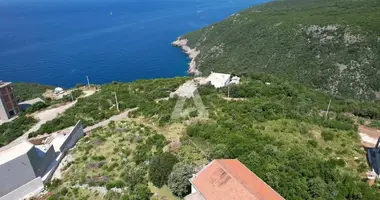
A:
[11,113]
[9,89]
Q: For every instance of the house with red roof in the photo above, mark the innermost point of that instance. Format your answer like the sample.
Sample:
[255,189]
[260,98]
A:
[229,179]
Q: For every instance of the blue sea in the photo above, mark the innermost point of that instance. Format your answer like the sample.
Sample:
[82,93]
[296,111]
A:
[59,42]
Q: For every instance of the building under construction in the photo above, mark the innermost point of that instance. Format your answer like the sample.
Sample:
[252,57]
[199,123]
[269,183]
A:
[8,104]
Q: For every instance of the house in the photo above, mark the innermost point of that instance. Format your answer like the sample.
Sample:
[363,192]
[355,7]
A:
[25,167]
[8,104]
[229,179]
[219,80]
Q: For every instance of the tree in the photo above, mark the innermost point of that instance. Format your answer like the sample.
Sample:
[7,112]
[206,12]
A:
[220,151]
[178,181]
[160,167]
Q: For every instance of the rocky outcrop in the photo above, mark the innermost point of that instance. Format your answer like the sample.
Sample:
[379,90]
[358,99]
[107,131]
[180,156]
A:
[192,54]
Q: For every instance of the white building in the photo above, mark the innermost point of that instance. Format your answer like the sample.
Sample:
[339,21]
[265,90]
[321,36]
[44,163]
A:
[219,80]
[58,90]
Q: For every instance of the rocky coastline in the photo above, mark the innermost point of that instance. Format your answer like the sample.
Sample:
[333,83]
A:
[191,53]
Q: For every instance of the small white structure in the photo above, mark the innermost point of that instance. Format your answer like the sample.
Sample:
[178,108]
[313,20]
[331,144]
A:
[219,80]
[58,90]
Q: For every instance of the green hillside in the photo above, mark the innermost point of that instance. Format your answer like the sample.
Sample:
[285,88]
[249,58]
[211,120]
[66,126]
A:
[329,44]
[27,91]
[278,130]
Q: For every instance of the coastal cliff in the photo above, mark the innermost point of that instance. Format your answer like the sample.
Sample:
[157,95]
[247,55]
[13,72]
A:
[327,44]
[191,53]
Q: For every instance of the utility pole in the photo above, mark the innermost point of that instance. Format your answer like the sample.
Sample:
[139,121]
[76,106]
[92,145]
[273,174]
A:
[88,82]
[72,98]
[228,91]
[328,108]
[229,83]
[117,103]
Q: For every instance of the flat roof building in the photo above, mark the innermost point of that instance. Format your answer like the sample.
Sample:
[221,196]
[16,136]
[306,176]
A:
[8,104]
[219,80]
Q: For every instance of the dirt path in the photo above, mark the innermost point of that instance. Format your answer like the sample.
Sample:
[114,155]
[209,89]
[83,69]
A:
[43,117]
[48,115]
[369,136]
[107,121]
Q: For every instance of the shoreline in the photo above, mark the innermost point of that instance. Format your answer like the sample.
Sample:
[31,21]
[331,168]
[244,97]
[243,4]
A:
[191,53]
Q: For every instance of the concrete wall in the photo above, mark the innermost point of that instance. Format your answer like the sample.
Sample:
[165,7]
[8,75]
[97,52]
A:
[41,160]
[35,159]
[15,173]
[32,187]
[3,113]
[52,167]
[50,157]
[73,137]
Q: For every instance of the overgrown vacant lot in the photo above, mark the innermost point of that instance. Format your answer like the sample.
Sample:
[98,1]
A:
[112,163]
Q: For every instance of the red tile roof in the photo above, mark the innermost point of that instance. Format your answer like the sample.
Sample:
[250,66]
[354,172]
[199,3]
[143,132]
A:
[228,179]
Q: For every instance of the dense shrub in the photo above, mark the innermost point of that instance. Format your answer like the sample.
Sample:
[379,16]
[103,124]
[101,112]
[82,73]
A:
[14,129]
[36,107]
[160,167]
[26,91]
[178,181]
[115,184]
[327,135]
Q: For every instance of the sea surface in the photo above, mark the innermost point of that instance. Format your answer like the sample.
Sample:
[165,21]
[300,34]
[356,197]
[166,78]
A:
[59,42]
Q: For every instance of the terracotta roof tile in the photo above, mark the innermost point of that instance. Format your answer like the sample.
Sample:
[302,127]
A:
[229,179]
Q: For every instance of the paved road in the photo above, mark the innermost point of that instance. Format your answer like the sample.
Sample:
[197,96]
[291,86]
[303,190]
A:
[107,121]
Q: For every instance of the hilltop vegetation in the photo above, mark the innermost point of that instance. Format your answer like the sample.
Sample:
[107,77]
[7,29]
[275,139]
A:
[26,91]
[277,128]
[333,45]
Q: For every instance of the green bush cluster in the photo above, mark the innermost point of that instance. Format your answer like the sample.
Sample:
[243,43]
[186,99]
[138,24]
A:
[11,130]
[160,167]
[27,91]
[36,107]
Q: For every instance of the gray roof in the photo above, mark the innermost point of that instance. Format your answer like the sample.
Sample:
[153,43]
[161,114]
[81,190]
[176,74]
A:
[15,151]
